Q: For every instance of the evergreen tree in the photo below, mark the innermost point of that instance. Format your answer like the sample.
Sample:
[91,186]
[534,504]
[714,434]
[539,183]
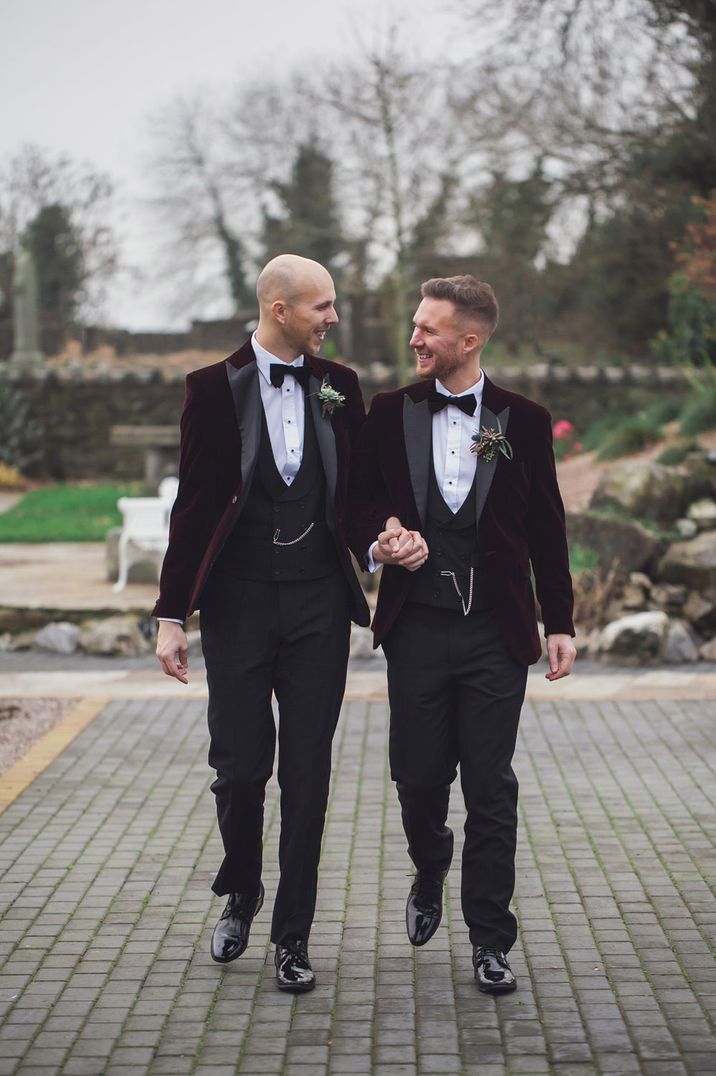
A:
[512,218]
[57,251]
[307,222]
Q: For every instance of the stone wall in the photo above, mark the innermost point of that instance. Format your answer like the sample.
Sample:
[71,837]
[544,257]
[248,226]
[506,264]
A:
[76,409]
[76,413]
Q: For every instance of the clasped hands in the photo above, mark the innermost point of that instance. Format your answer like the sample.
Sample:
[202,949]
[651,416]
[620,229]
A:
[404,548]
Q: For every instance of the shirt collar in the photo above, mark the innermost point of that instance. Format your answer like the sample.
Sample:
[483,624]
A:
[264,359]
[474,390]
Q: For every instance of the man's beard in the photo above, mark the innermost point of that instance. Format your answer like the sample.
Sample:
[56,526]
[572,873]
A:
[443,366]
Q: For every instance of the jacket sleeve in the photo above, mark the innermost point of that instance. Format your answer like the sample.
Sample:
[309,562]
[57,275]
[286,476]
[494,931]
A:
[191,517]
[355,408]
[547,536]
[368,493]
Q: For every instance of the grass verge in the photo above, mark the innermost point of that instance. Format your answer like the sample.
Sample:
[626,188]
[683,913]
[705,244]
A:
[66,513]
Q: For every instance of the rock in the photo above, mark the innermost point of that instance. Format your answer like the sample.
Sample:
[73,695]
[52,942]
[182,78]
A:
[701,612]
[703,514]
[23,640]
[59,636]
[708,651]
[633,598]
[644,489]
[692,563]
[686,528]
[679,644]
[669,596]
[700,477]
[5,642]
[115,635]
[622,541]
[141,571]
[640,579]
[638,637]
[587,644]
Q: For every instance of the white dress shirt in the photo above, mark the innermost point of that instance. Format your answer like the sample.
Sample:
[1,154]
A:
[453,462]
[284,412]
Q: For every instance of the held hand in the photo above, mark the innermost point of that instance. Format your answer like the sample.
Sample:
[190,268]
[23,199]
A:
[404,548]
[172,650]
[561,653]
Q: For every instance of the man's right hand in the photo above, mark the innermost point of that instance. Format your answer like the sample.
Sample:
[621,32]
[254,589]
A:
[396,545]
[173,650]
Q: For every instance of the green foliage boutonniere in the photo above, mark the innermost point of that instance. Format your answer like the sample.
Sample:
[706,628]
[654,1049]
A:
[330,398]
[488,443]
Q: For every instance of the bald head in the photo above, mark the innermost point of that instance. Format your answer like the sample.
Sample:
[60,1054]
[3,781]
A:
[296,306]
[287,277]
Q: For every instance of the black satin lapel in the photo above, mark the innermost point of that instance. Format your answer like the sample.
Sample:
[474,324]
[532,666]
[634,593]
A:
[417,430]
[325,437]
[486,471]
[244,384]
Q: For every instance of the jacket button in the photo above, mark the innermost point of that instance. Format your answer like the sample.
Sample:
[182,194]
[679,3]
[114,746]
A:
[277,508]
[436,594]
[277,571]
[301,571]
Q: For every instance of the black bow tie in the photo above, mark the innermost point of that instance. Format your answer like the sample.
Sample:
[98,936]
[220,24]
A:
[278,371]
[437,400]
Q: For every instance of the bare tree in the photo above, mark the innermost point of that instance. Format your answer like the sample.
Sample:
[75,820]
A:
[34,180]
[202,195]
[580,83]
[399,139]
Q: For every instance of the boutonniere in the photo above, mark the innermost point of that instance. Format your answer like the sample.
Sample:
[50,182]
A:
[330,398]
[489,442]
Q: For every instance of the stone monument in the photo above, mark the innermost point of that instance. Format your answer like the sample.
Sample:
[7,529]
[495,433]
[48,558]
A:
[26,353]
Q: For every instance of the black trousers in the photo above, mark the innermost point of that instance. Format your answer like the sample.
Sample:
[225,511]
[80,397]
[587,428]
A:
[292,639]
[455,698]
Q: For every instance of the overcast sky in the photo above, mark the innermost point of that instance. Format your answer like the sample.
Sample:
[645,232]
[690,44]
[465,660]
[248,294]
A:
[81,76]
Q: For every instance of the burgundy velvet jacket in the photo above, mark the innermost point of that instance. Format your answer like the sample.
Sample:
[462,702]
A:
[220,430]
[519,511]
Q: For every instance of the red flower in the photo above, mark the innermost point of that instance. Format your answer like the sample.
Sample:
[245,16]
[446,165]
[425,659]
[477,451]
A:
[562,429]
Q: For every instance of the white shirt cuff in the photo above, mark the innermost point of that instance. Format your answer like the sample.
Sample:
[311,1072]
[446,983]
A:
[170,620]
[370,560]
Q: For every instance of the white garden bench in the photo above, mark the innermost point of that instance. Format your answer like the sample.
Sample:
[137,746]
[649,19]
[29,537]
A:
[145,528]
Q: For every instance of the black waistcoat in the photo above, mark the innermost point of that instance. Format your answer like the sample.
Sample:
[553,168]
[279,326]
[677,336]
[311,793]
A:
[452,545]
[275,513]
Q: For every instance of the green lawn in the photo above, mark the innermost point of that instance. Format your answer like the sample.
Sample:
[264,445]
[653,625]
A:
[81,513]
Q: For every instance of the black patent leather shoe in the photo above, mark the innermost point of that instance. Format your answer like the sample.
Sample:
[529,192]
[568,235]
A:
[293,968]
[231,933]
[493,974]
[424,909]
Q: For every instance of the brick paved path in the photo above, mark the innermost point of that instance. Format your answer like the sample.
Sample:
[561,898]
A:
[108,856]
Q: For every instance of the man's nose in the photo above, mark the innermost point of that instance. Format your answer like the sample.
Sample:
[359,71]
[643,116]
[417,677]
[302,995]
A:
[416,339]
[332,316]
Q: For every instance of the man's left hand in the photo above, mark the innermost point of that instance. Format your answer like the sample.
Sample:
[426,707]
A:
[561,653]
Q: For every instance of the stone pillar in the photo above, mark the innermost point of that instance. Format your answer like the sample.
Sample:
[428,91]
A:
[26,353]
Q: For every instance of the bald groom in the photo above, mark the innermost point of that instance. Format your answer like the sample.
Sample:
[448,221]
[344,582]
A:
[257,543]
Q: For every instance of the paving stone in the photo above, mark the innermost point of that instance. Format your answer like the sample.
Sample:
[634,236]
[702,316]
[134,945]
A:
[616,809]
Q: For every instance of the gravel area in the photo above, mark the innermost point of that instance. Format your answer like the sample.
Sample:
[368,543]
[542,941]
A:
[24,721]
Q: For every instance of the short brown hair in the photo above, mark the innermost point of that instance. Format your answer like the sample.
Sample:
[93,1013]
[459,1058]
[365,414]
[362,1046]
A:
[473,298]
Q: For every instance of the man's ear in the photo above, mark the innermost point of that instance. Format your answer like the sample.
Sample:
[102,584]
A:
[471,341]
[279,310]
